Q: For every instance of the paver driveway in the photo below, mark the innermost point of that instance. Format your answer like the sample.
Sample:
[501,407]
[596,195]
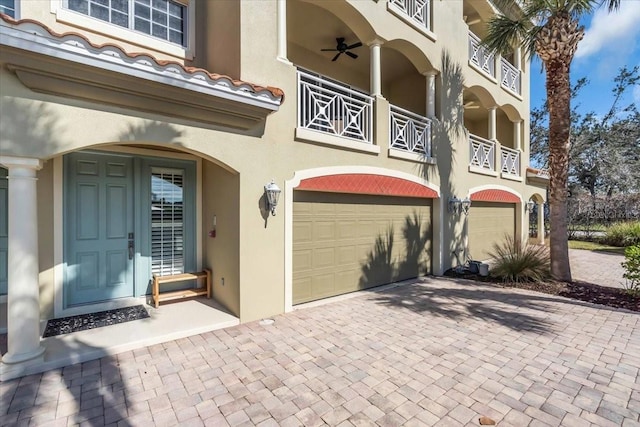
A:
[433,353]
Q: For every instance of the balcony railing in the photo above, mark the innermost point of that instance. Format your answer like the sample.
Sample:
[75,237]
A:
[480,56]
[333,108]
[510,76]
[510,161]
[417,11]
[409,132]
[483,153]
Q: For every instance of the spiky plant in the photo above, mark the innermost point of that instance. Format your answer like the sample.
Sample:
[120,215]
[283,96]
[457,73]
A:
[514,261]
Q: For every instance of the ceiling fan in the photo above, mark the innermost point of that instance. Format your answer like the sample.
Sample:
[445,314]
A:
[342,47]
[471,105]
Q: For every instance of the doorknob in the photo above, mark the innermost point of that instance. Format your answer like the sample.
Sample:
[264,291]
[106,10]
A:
[130,246]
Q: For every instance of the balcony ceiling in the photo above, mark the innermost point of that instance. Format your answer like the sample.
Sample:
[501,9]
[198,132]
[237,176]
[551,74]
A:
[313,28]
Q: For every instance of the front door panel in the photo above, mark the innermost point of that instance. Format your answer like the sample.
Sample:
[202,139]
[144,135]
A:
[100,240]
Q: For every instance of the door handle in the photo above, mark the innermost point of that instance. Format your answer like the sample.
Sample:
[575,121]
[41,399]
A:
[130,249]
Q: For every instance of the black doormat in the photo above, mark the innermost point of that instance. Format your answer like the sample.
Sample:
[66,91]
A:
[66,325]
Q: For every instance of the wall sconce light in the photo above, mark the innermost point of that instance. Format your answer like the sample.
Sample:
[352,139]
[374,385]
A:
[457,206]
[528,207]
[272,192]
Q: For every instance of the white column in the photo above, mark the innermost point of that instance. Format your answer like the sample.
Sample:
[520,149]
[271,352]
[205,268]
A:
[517,58]
[517,135]
[375,73]
[492,123]
[431,93]
[282,30]
[23,295]
[541,223]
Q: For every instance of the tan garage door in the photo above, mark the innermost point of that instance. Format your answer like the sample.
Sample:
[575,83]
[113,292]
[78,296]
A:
[343,243]
[488,224]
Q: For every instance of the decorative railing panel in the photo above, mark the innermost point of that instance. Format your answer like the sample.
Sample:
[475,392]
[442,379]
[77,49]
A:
[482,152]
[416,11]
[510,161]
[409,132]
[510,76]
[330,107]
[480,56]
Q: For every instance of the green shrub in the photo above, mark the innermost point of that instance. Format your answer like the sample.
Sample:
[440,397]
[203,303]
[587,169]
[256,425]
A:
[623,234]
[631,266]
[514,261]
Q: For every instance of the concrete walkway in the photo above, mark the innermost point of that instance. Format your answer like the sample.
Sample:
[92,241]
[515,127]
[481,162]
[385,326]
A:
[436,352]
[599,268]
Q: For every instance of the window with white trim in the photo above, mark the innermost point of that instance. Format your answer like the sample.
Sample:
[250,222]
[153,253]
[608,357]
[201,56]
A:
[8,7]
[163,19]
[167,221]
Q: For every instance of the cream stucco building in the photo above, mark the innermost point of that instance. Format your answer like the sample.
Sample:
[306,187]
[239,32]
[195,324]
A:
[126,151]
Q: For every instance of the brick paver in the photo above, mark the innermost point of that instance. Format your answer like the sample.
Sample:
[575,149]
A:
[434,352]
[599,268]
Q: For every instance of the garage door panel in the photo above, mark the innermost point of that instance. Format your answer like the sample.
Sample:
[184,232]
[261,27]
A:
[324,257]
[489,223]
[341,258]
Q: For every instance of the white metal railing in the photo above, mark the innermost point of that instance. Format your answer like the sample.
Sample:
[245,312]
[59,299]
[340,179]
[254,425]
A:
[330,107]
[543,173]
[510,76]
[510,161]
[416,10]
[409,131]
[480,56]
[482,152]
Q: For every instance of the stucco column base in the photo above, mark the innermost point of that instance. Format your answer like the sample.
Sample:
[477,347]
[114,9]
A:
[18,365]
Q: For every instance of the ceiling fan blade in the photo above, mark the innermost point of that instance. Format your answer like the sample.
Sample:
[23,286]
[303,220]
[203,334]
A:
[351,54]
[355,45]
[329,50]
[336,57]
[340,40]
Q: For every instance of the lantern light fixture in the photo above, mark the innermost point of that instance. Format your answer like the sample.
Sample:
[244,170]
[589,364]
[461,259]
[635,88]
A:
[272,192]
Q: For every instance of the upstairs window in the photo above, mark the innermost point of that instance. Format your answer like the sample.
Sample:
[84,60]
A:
[8,7]
[163,19]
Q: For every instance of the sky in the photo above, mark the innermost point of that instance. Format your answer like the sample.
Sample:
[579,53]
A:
[611,41]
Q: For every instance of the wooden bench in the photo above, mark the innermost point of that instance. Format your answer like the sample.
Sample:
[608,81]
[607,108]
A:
[183,293]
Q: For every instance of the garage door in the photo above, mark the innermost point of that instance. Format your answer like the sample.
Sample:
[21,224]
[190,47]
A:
[488,224]
[343,243]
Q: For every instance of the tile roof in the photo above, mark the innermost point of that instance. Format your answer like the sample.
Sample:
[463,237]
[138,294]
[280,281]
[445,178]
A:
[143,56]
[493,195]
[356,183]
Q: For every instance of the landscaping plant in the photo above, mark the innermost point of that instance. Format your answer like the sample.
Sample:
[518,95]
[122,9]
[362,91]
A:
[632,269]
[623,234]
[515,261]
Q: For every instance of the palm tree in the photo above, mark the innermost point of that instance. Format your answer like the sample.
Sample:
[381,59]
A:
[549,29]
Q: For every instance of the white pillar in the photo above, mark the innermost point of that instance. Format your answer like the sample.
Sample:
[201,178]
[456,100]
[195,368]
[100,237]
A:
[517,135]
[431,93]
[492,123]
[282,30]
[541,223]
[517,58]
[376,77]
[23,295]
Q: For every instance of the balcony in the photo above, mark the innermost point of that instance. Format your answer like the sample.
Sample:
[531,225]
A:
[409,133]
[415,12]
[510,162]
[328,107]
[480,57]
[510,77]
[483,155]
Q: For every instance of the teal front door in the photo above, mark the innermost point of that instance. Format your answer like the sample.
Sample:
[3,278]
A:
[100,238]
[126,219]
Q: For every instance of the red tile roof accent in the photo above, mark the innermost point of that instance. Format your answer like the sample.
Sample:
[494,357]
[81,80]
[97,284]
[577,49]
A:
[499,196]
[191,70]
[361,183]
